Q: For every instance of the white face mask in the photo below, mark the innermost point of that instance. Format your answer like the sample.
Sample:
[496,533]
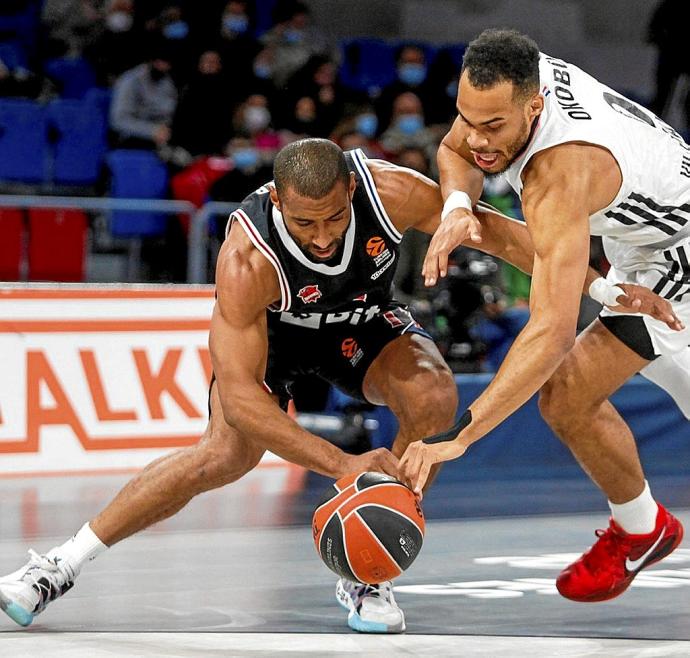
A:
[119,21]
[256,118]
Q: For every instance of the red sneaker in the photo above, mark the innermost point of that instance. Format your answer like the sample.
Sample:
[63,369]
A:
[607,569]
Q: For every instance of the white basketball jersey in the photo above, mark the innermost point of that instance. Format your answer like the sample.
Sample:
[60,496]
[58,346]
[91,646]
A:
[652,208]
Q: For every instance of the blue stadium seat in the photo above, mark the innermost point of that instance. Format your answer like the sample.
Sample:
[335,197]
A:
[12,55]
[80,144]
[23,141]
[368,64]
[137,175]
[74,77]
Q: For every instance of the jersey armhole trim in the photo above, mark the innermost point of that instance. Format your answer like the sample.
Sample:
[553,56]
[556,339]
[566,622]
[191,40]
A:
[254,235]
[359,158]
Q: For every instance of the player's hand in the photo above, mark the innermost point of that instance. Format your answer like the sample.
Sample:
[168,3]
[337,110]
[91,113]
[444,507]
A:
[458,226]
[638,299]
[419,457]
[380,459]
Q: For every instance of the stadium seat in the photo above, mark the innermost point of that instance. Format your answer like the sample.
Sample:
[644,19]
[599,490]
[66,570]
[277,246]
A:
[57,244]
[137,175]
[12,230]
[74,77]
[12,55]
[23,141]
[368,64]
[80,143]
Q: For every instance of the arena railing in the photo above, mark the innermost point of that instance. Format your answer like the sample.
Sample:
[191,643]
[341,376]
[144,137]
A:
[198,239]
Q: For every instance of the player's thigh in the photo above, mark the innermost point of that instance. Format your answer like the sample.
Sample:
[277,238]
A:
[232,452]
[596,367]
[410,375]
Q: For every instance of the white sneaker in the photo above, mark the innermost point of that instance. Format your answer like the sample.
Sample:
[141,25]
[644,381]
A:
[26,592]
[372,608]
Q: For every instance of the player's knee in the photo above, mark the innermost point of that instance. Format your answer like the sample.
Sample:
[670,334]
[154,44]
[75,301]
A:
[559,405]
[432,399]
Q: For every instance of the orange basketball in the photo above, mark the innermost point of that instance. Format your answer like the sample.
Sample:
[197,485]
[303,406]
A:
[369,527]
[375,246]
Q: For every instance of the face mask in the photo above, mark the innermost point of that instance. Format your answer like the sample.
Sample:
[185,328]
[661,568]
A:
[409,124]
[175,31]
[293,36]
[256,119]
[367,124]
[236,23]
[119,21]
[412,74]
[262,71]
[245,158]
[452,89]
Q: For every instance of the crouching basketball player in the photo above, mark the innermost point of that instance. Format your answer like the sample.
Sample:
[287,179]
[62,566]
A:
[317,248]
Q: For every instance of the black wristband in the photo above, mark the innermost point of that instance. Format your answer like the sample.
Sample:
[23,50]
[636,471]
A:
[451,433]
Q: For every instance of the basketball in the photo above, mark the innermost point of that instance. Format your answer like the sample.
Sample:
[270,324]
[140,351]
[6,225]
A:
[368,527]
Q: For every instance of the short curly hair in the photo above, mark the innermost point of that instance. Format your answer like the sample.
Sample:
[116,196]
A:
[497,56]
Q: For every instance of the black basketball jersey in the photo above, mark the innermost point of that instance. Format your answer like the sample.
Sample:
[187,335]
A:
[351,290]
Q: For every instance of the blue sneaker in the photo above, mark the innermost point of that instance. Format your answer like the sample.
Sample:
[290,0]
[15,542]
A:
[26,592]
[372,608]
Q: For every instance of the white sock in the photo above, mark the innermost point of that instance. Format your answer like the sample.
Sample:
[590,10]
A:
[637,516]
[83,547]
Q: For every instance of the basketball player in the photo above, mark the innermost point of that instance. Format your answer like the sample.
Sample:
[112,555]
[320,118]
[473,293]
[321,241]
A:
[317,248]
[584,160]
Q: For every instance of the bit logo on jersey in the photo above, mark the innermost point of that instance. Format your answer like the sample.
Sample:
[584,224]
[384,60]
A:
[310,294]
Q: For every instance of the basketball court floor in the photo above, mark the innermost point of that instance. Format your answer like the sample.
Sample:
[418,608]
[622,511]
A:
[236,574]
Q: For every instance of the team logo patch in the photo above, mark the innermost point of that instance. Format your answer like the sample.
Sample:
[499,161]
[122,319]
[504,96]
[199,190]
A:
[360,298]
[310,294]
[375,246]
[392,319]
[351,351]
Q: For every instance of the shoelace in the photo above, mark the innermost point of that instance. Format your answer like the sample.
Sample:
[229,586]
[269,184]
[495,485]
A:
[381,591]
[48,578]
[607,552]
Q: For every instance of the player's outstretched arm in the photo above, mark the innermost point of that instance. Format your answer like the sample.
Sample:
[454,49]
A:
[238,340]
[555,205]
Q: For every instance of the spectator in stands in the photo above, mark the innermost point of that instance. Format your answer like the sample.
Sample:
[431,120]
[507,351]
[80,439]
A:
[238,46]
[202,124]
[71,26]
[412,70]
[407,128]
[120,45]
[318,80]
[144,101]
[292,41]
[19,82]
[667,31]
[253,121]
[173,28]
[359,130]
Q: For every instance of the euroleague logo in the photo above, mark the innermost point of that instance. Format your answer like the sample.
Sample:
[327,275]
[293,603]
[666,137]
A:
[375,246]
[382,255]
[351,351]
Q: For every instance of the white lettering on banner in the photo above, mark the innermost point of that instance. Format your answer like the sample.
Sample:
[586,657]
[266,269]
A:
[503,589]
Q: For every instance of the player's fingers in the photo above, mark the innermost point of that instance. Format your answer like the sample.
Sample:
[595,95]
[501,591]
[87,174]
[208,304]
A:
[476,231]
[422,476]
[443,263]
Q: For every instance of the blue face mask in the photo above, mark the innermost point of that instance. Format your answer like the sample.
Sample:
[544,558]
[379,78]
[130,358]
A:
[245,158]
[176,30]
[293,36]
[367,124]
[412,74]
[452,89]
[409,124]
[236,23]
[262,71]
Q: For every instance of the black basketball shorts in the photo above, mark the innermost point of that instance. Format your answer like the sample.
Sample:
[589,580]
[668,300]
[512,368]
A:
[340,352]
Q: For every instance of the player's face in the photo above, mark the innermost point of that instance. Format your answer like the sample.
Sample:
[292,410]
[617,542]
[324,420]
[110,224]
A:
[317,225]
[497,122]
